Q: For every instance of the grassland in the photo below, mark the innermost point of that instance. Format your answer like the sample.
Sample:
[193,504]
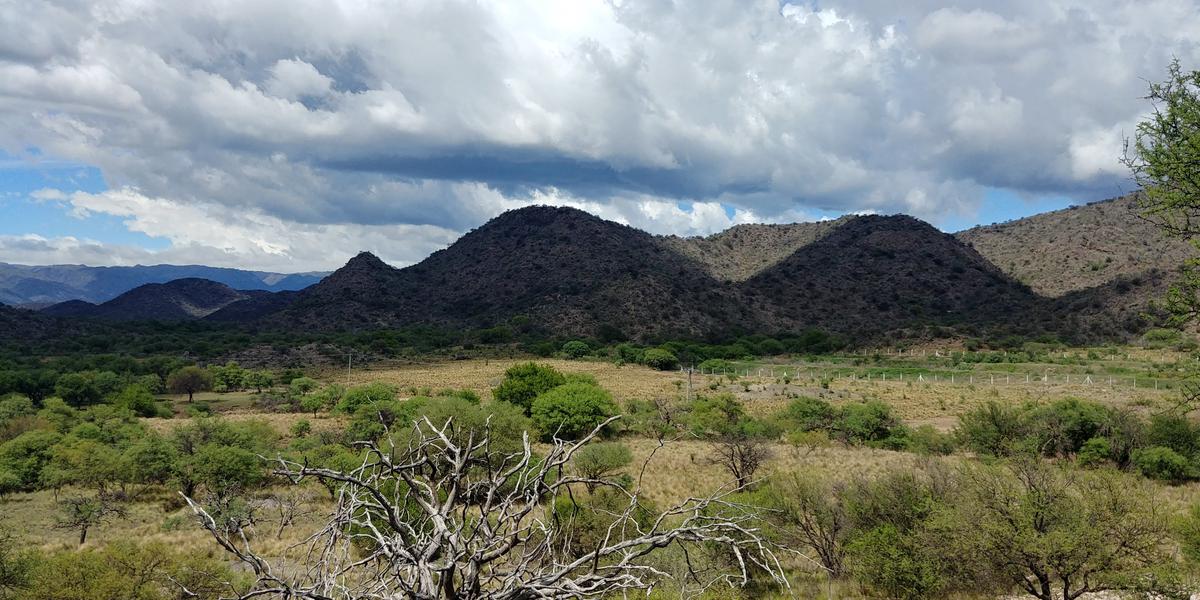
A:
[682,467]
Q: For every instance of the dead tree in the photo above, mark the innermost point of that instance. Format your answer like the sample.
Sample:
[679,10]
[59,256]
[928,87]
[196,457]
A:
[444,514]
[741,455]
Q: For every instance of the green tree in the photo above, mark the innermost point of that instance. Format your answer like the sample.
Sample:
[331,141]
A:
[601,460]
[572,410]
[86,387]
[137,399]
[302,386]
[1055,533]
[189,380]
[366,394]
[1164,158]
[82,513]
[524,382]
[259,380]
[658,358]
[576,349]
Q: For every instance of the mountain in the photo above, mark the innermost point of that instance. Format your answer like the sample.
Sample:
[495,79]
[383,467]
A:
[742,251]
[567,271]
[576,274]
[178,300]
[1081,247]
[29,285]
[874,274]
[564,272]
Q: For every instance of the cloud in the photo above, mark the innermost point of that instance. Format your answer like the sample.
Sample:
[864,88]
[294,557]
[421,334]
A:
[333,115]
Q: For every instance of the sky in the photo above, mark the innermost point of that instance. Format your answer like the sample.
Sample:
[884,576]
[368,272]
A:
[289,136]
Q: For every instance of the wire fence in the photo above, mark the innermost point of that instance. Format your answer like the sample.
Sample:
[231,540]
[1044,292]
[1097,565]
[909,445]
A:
[818,375]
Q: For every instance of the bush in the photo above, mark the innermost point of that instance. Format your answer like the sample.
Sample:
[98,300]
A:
[575,349]
[601,460]
[1062,427]
[1160,462]
[865,422]
[657,358]
[137,399]
[895,564]
[807,414]
[1095,452]
[1175,432]
[992,429]
[366,394]
[925,439]
[571,410]
[524,382]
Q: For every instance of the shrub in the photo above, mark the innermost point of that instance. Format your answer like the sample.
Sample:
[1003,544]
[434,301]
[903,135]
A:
[137,399]
[865,422]
[925,439]
[575,349]
[888,561]
[1160,462]
[1174,432]
[992,429]
[524,382]
[600,460]
[807,414]
[572,410]
[366,394]
[301,428]
[1095,452]
[301,386]
[657,358]
[1062,427]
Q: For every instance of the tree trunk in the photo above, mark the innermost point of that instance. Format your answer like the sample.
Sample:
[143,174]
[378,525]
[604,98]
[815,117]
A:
[82,534]
[189,396]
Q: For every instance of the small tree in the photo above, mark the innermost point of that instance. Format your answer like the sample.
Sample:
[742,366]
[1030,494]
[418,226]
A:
[85,512]
[658,358]
[1056,534]
[599,461]
[570,411]
[259,380]
[804,511]
[189,380]
[524,382]
[406,525]
[302,386]
[741,455]
[575,349]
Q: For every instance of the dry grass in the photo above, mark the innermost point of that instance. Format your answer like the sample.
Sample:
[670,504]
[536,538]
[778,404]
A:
[481,375]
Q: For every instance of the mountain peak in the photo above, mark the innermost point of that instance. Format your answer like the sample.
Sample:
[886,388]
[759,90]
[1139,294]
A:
[366,261]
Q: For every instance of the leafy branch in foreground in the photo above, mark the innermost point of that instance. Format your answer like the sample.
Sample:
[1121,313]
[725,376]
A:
[437,512]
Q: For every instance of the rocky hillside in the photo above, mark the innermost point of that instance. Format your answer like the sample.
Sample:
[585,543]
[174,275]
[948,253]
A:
[1078,248]
[873,274]
[178,300]
[565,270]
[742,251]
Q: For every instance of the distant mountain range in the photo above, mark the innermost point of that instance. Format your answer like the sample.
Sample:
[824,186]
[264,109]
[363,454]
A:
[1085,273]
[37,286]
